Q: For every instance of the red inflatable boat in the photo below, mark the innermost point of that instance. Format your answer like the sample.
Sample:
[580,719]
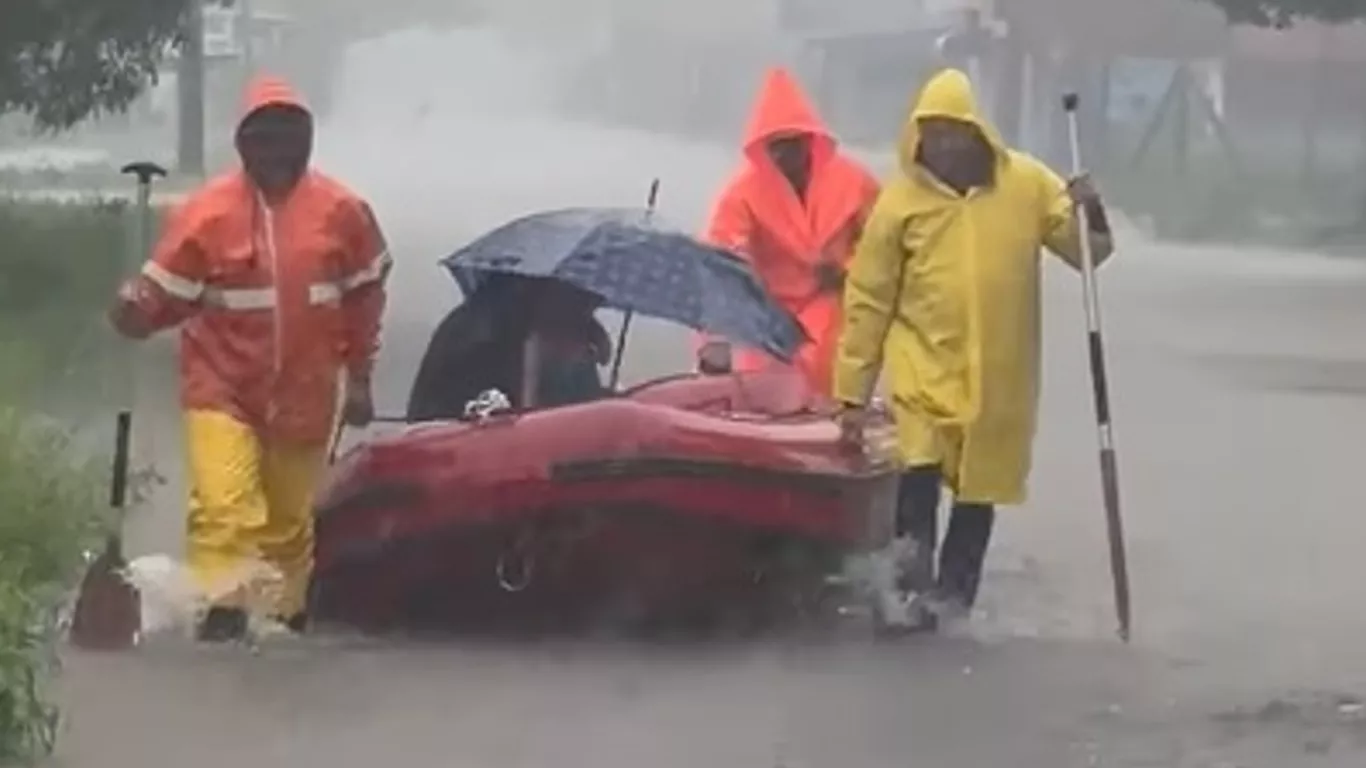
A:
[691,498]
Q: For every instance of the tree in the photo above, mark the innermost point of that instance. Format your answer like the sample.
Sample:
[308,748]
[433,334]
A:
[1281,13]
[62,61]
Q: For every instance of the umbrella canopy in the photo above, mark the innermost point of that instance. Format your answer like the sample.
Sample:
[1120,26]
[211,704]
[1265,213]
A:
[635,266]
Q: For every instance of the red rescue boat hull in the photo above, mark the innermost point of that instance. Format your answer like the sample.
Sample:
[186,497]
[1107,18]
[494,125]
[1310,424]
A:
[686,497]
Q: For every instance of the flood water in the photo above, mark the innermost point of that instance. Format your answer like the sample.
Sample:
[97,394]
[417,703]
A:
[1239,389]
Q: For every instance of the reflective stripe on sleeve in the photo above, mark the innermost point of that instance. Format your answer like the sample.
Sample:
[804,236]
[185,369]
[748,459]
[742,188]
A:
[332,292]
[324,293]
[370,273]
[168,281]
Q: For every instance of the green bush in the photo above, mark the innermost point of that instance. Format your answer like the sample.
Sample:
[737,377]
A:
[59,266]
[80,244]
[51,513]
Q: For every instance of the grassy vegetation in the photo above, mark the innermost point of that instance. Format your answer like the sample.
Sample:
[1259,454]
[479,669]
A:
[1252,192]
[1269,206]
[59,264]
[50,514]
[85,178]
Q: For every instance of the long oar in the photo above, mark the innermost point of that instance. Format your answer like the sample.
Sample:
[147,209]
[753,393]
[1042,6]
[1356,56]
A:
[620,352]
[1109,466]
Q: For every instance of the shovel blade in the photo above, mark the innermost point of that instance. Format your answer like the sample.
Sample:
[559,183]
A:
[108,612]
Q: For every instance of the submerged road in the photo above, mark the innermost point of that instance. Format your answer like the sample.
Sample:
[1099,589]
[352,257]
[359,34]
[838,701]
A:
[1240,391]
[1239,388]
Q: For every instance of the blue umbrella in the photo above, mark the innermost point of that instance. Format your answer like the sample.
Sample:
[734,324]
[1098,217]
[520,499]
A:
[635,266]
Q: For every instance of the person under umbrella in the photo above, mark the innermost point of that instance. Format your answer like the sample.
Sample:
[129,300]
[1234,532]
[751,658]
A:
[627,261]
[481,345]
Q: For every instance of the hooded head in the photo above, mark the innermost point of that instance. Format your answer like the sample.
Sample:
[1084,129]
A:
[275,136]
[784,131]
[947,134]
[506,294]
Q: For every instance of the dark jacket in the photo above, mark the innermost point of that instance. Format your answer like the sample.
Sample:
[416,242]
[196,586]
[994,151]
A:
[479,346]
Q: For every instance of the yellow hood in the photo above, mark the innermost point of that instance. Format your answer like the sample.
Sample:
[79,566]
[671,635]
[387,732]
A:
[947,94]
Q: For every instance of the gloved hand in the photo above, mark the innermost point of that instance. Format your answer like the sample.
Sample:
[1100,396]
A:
[853,422]
[358,410]
[1083,192]
[714,358]
[125,316]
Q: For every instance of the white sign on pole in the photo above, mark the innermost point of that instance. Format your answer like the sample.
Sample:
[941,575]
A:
[220,33]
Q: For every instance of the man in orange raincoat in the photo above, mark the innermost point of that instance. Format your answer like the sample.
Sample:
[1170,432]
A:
[275,274]
[795,210]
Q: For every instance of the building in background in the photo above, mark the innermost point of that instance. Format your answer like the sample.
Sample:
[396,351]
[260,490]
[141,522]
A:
[691,67]
[695,68]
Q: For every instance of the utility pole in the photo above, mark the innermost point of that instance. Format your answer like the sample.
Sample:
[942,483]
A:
[190,91]
[246,32]
[973,44]
[1013,76]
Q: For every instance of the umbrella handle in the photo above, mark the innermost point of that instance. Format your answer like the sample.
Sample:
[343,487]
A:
[619,354]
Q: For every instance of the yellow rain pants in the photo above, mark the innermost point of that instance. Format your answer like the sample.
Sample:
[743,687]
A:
[250,501]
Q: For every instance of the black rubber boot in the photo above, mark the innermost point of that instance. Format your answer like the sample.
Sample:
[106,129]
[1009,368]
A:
[964,554]
[298,623]
[917,525]
[917,520]
[223,625]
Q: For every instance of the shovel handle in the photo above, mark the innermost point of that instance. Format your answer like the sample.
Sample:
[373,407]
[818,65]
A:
[144,170]
[118,484]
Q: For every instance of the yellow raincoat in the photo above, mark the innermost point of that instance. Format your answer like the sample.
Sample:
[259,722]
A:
[945,287]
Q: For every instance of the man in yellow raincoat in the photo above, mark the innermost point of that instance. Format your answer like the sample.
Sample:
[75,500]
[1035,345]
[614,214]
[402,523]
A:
[944,290]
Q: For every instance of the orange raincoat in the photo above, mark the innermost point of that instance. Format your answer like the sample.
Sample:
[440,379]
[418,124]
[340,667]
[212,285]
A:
[275,300]
[760,217]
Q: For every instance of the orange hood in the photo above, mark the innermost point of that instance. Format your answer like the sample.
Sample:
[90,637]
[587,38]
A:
[783,109]
[270,91]
[797,230]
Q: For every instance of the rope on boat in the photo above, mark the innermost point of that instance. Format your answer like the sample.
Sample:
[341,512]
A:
[554,546]
[489,403]
[525,572]
[519,551]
